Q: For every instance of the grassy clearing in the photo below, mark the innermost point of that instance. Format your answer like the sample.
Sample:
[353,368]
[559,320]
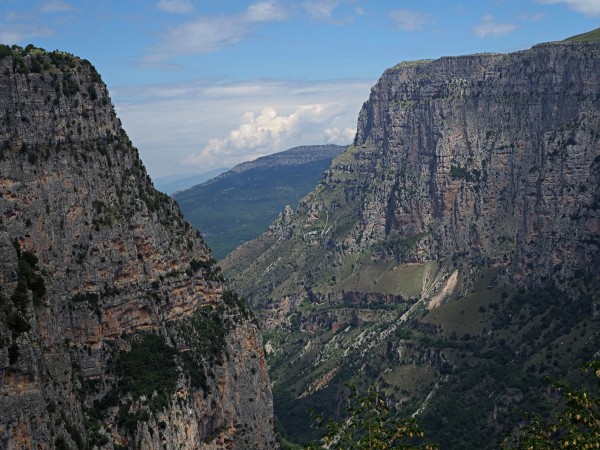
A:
[410,377]
[385,277]
[469,314]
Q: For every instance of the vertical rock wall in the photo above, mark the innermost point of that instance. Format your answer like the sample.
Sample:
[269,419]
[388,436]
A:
[94,262]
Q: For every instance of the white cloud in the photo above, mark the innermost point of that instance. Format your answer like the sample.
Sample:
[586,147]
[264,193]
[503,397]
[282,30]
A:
[175,6]
[320,10]
[207,124]
[55,6]
[587,7]
[339,136]
[324,11]
[531,17]
[258,134]
[536,17]
[489,27]
[265,11]
[407,20]
[203,35]
[18,34]
[210,33]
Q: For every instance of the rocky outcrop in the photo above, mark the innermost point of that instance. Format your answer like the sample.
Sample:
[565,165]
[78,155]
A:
[116,329]
[491,153]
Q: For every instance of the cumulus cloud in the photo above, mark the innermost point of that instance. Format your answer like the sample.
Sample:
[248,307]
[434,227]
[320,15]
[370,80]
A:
[489,27]
[407,20]
[210,33]
[264,133]
[175,6]
[206,124]
[587,7]
[339,136]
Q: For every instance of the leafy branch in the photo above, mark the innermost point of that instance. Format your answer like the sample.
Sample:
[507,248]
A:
[577,425]
[370,425]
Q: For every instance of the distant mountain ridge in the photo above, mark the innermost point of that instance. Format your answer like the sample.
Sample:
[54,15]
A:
[180,182]
[239,204]
[295,156]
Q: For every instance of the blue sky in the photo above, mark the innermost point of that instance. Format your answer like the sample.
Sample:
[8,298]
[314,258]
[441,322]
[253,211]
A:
[200,84]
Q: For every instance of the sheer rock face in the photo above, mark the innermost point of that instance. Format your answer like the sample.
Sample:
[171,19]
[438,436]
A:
[117,262]
[495,154]
[472,188]
[473,183]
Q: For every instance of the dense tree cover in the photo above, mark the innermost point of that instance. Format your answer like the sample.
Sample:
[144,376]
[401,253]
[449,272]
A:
[370,425]
[149,369]
[577,424]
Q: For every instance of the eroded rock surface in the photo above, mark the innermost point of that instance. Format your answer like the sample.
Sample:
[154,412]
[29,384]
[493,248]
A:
[456,244]
[116,328]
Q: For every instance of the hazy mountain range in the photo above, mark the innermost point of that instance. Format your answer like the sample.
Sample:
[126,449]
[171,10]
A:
[180,182]
[239,204]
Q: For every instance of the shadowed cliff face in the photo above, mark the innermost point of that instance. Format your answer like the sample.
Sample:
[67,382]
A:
[115,324]
[468,208]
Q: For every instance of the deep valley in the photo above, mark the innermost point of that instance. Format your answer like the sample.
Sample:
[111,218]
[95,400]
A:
[448,260]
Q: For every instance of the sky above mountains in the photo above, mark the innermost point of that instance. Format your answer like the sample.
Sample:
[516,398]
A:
[200,84]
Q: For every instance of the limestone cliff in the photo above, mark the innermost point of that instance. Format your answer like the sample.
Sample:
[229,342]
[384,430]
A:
[116,329]
[494,154]
[468,208]
[490,154]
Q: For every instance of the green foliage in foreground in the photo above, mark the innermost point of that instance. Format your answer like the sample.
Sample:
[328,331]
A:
[370,425]
[577,424]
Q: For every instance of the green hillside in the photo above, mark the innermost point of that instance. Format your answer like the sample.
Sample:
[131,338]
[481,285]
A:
[591,36]
[240,204]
